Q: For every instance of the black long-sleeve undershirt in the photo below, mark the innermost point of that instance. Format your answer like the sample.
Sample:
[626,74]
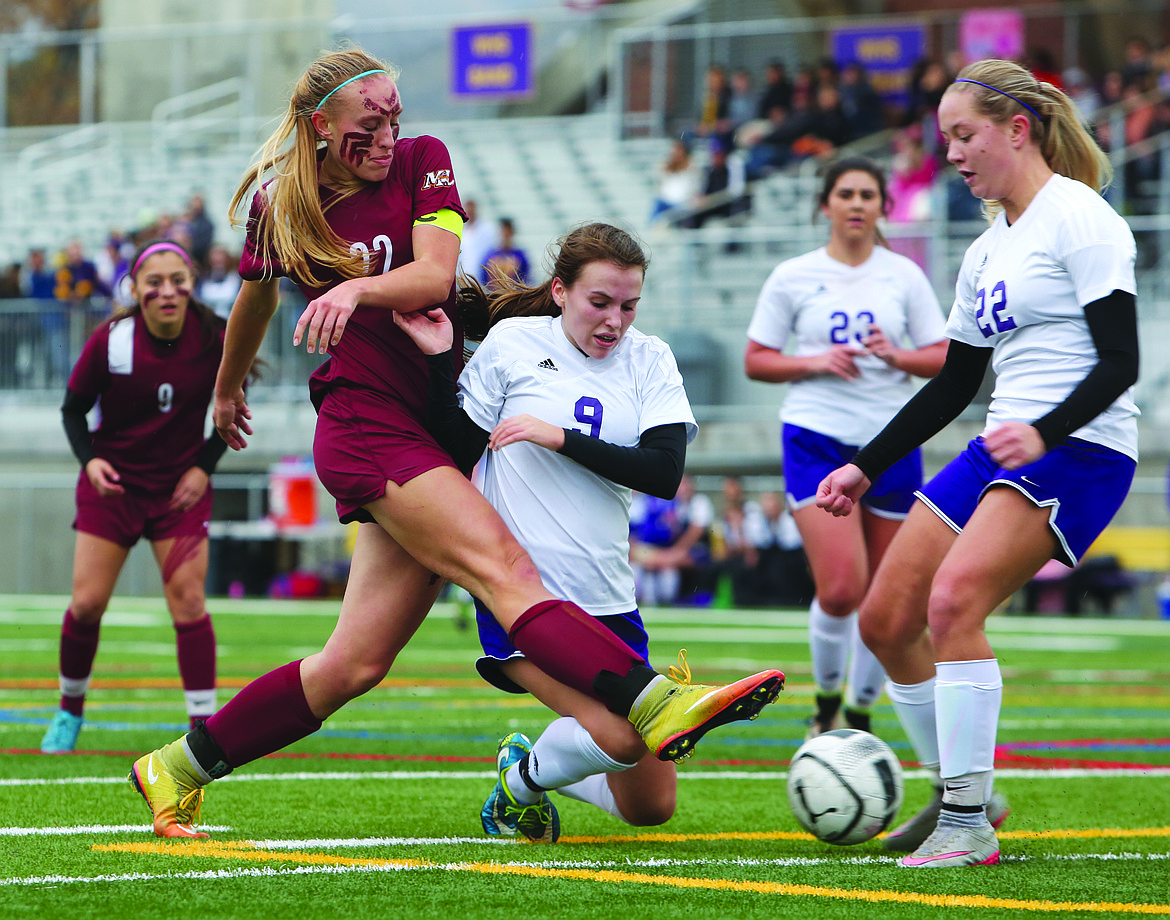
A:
[73,412]
[1112,322]
[654,467]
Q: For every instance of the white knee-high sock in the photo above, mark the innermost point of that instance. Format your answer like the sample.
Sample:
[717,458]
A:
[828,644]
[967,696]
[595,791]
[564,754]
[866,674]
[914,704]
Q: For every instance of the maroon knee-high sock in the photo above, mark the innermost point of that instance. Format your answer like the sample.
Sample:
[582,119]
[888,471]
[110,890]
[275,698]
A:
[267,715]
[195,643]
[79,642]
[567,643]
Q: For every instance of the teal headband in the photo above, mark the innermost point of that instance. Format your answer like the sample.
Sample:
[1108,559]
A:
[364,73]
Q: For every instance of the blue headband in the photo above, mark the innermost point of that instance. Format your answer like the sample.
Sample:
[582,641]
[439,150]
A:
[987,86]
[364,73]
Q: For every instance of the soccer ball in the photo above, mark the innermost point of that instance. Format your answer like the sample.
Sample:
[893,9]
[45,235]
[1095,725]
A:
[845,786]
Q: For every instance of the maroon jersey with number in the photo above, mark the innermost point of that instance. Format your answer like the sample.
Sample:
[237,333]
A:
[378,222]
[152,396]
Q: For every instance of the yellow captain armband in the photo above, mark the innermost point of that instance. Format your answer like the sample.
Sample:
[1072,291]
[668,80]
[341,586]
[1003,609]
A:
[446,218]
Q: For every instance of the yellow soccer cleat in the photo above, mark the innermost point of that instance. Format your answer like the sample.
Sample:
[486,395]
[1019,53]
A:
[672,714]
[172,790]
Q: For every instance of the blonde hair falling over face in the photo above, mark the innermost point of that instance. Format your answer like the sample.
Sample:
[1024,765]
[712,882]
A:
[481,309]
[294,229]
[1063,140]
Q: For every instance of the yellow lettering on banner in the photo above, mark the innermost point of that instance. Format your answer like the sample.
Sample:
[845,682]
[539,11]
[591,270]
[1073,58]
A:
[491,76]
[879,49]
[492,44]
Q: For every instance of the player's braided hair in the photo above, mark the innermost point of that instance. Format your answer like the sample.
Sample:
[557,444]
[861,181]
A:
[481,308]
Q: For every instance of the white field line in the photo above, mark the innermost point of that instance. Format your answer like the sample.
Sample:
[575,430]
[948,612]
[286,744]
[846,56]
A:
[52,881]
[770,775]
[41,608]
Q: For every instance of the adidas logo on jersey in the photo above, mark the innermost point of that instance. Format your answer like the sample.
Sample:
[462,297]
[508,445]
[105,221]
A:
[547,364]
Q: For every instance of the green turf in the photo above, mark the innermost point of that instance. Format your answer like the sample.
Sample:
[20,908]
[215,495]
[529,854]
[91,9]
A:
[398,776]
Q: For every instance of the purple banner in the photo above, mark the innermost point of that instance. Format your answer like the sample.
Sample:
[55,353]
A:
[491,61]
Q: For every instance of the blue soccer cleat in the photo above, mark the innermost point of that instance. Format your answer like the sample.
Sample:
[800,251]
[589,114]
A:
[502,815]
[62,734]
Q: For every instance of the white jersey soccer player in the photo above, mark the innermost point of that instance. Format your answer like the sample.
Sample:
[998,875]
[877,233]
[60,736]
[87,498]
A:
[1022,289]
[578,531]
[820,301]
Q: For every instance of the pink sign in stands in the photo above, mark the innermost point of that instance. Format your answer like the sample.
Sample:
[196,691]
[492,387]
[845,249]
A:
[997,33]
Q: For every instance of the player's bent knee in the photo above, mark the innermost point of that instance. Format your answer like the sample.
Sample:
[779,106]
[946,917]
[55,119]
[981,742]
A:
[651,811]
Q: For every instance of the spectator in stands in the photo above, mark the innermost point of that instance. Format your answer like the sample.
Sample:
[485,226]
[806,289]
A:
[39,283]
[741,104]
[850,370]
[676,567]
[1042,64]
[220,283]
[38,280]
[478,239]
[722,193]
[825,128]
[145,473]
[200,230]
[734,553]
[781,577]
[733,549]
[777,92]
[679,181]
[1138,64]
[929,79]
[912,178]
[713,108]
[860,102]
[77,278]
[507,260]
[1084,95]
[10,282]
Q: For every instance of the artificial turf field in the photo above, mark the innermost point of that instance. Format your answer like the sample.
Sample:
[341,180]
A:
[377,815]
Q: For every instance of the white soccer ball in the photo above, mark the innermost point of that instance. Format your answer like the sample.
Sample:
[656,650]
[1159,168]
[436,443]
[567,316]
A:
[845,786]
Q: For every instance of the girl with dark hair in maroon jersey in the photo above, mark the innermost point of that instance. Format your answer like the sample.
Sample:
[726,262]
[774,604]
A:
[146,472]
[368,224]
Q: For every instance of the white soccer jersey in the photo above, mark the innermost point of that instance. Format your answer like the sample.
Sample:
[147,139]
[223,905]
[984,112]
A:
[574,523]
[1022,290]
[821,302]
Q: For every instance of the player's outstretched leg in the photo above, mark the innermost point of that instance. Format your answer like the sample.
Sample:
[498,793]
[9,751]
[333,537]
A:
[527,810]
[672,714]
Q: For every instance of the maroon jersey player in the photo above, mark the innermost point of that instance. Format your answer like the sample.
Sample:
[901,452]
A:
[368,224]
[146,471]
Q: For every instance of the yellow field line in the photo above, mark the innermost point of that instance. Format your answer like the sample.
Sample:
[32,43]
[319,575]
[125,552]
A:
[1085,834]
[244,851]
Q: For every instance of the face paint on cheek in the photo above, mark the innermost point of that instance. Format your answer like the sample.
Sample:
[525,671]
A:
[149,296]
[182,292]
[355,146]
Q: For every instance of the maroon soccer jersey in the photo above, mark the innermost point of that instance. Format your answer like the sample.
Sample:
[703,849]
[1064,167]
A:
[152,396]
[378,222]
